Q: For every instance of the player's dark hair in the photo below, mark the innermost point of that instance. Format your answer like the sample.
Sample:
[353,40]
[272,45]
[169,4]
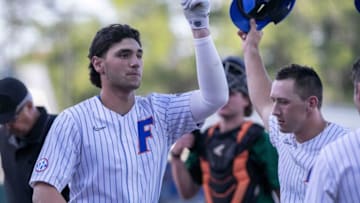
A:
[249,108]
[356,71]
[102,42]
[307,81]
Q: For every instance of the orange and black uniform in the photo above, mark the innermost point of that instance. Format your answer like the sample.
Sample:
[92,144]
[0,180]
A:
[237,166]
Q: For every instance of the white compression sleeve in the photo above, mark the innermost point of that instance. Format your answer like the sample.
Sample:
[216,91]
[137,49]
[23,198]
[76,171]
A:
[213,93]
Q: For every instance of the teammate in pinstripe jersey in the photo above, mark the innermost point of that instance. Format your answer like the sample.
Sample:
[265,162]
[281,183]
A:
[113,147]
[336,174]
[290,108]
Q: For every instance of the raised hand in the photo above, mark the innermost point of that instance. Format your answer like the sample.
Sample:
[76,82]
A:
[197,13]
[252,38]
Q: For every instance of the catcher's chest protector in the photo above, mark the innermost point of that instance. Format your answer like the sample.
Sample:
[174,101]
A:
[225,176]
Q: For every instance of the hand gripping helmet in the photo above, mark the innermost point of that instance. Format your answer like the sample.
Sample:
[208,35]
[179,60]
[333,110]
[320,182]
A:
[235,74]
[263,11]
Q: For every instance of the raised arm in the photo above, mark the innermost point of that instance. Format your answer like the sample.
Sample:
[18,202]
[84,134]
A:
[185,185]
[259,82]
[213,87]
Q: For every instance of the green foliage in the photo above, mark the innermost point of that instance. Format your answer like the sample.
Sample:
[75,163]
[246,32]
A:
[321,34]
[67,60]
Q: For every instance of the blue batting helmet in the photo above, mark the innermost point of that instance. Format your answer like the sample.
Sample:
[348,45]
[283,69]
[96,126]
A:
[357,5]
[263,11]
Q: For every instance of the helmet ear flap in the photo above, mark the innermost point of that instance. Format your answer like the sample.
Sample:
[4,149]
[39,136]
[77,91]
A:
[282,12]
[263,11]
[280,15]
[357,5]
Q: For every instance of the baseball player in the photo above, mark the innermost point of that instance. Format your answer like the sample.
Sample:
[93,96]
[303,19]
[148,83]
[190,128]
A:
[292,115]
[336,174]
[233,160]
[113,147]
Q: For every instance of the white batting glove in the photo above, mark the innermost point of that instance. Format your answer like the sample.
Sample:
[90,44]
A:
[197,13]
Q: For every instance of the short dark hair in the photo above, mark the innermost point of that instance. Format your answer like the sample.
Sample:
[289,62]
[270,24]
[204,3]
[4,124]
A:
[307,81]
[356,71]
[248,110]
[102,42]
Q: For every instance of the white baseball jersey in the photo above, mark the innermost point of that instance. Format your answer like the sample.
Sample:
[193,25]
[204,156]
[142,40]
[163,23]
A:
[106,157]
[296,159]
[336,174]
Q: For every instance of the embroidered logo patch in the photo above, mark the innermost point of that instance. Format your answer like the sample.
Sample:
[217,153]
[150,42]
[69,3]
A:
[41,165]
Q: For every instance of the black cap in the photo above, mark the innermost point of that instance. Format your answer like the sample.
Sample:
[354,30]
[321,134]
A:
[235,74]
[12,95]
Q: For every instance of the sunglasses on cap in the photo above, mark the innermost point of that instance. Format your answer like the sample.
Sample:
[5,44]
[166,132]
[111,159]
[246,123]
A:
[233,68]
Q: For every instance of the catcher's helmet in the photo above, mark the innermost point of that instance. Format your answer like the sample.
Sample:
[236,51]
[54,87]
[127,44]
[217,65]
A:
[357,5]
[235,74]
[263,11]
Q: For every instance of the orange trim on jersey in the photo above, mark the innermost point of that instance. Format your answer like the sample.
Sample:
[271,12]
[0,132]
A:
[244,128]
[224,194]
[239,170]
[241,176]
[220,181]
[212,130]
[205,168]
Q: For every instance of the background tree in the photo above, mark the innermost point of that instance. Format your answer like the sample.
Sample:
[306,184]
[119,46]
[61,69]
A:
[321,34]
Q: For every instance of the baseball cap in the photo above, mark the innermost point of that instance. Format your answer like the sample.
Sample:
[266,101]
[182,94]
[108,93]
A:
[235,74]
[263,11]
[13,94]
[357,5]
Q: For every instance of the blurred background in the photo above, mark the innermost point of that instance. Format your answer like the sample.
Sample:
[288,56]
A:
[45,43]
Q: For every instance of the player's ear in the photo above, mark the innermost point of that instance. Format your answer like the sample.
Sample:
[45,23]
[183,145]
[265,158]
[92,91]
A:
[312,102]
[357,91]
[98,64]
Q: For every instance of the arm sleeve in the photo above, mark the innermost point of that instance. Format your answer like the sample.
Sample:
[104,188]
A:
[213,88]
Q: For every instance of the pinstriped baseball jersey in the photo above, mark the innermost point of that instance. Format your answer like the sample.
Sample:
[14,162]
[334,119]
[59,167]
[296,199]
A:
[296,159]
[336,174]
[107,157]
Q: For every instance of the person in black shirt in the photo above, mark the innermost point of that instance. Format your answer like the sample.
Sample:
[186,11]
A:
[23,128]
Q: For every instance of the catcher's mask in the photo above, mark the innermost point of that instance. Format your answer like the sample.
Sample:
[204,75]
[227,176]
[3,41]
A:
[263,11]
[235,74]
